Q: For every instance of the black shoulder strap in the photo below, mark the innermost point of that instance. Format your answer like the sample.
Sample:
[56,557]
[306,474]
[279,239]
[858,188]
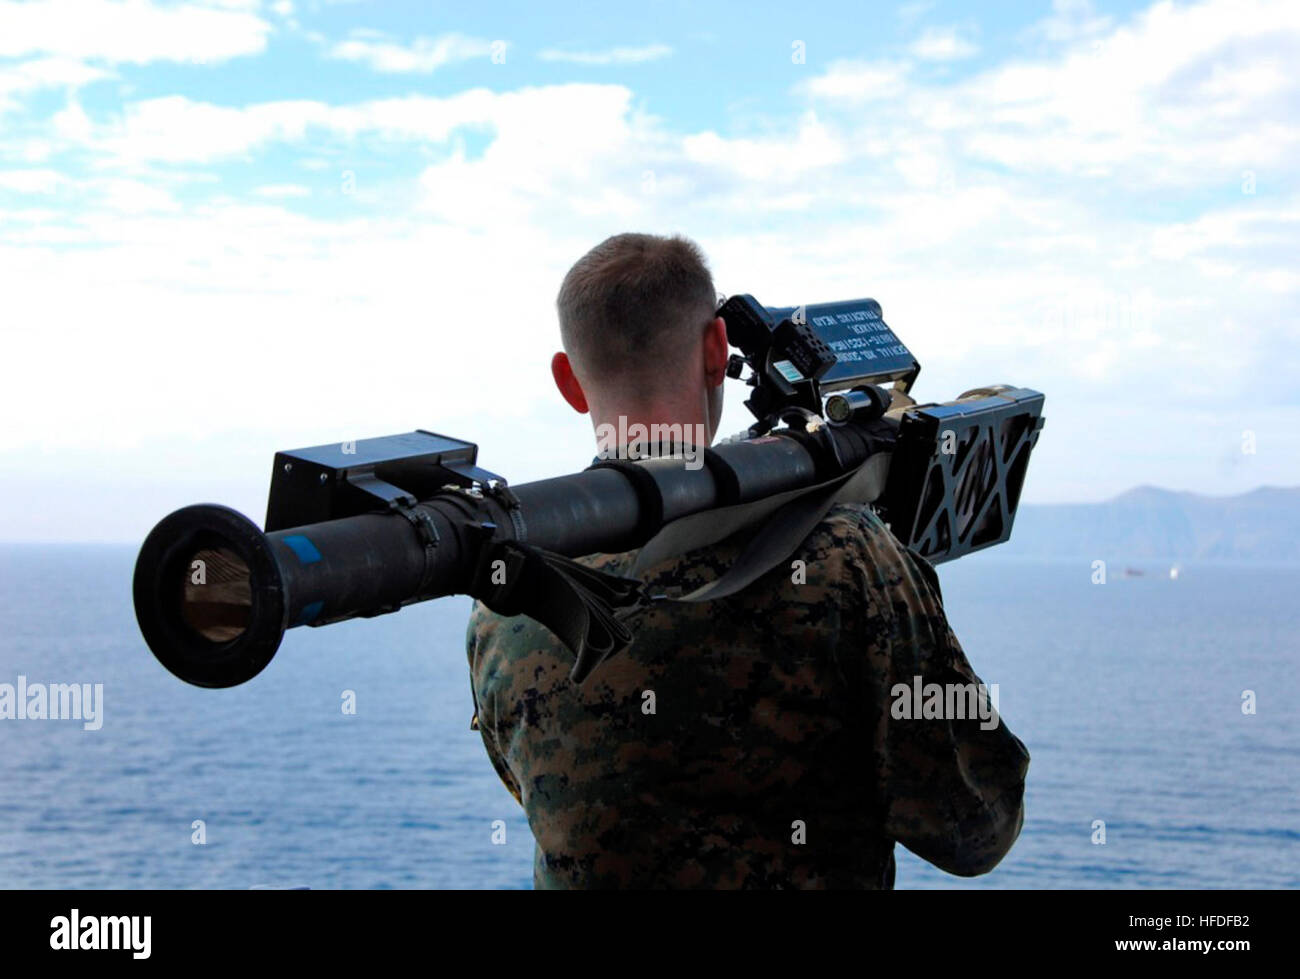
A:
[575,602]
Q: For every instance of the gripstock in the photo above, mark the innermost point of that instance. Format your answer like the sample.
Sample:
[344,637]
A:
[367,527]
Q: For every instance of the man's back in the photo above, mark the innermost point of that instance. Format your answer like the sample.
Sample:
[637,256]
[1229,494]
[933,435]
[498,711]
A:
[748,741]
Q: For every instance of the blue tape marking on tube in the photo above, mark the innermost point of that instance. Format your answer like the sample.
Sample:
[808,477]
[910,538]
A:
[309,612]
[302,547]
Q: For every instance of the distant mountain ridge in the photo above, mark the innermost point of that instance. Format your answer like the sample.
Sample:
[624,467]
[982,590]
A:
[1149,523]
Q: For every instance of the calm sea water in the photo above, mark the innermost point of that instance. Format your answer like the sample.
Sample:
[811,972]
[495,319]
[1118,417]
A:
[1128,696]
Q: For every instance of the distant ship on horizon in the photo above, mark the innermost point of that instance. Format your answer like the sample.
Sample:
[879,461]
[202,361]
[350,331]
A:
[1131,572]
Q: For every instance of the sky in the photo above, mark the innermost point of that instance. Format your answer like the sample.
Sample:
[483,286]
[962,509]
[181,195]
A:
[232,227]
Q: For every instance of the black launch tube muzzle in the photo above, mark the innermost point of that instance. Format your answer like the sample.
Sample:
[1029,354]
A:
[214,594]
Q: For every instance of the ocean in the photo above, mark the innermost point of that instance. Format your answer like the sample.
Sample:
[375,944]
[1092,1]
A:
[1128,695]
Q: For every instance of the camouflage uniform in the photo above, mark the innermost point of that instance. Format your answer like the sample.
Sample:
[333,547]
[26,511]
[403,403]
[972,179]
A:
[772,710]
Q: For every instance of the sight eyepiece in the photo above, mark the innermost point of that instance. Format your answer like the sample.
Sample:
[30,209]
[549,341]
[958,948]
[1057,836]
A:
[861,404]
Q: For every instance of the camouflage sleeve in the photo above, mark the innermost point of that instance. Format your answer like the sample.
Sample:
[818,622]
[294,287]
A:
[486,719]
[949,777]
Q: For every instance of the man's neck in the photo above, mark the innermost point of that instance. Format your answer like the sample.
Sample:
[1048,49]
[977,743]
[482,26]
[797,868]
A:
[653,430]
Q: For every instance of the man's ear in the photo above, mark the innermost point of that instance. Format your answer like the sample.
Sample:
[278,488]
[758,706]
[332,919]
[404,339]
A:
[568,384]
[716,351]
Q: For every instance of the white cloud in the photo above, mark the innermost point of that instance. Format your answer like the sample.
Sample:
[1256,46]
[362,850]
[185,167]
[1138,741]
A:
[942,44]
[24,77]
[611,56]
[422,55]
[138,31]
[767,161]
[125,196]
[1072,20]
[1179,96]
[72,124]
[177,130]
[856,81]
[31,181]
[118,195]
[570,163]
